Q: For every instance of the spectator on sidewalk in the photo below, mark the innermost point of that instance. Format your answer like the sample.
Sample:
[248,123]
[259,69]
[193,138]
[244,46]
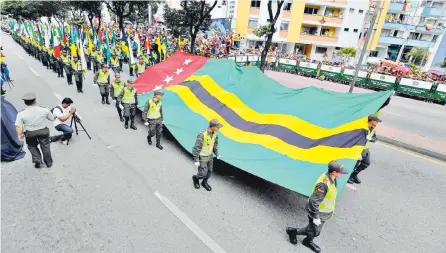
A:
[63,113]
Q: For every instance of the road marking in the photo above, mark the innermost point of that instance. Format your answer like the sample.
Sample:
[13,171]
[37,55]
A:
[412,153]
[34,72]
[19,55]
[351,186]
[58,96]
[191,225]
[404,116]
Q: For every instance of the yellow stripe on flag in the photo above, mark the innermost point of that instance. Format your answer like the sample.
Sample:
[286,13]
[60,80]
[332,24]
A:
[291,122]
[318,154]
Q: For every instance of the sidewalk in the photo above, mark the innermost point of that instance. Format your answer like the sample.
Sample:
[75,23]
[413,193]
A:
[413,142]
[411,125]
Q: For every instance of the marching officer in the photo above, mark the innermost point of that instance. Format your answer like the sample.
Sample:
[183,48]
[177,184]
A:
[129,100]
[320,206]
[66,63]
[102,79]
[114,63]
[98,61]
[205,145]
[76,65]
[87,56]
[364,161]
[32,121]
[115,89]
[153,114]
[140,67]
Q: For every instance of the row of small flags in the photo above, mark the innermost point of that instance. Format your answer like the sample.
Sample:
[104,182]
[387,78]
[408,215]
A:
[78,36]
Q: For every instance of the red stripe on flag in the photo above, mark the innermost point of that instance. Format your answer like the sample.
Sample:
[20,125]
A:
[174,70]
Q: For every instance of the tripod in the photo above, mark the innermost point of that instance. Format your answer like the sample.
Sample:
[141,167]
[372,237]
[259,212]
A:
[75,119]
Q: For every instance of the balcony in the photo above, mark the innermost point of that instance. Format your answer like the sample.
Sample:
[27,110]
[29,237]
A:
[286,14]
[419,43]
[397,26]
[318,38]
[328,20]
[335,1]
[399,7]
[283,34]
[432,12]
[422,28]
[254,11]
[250,30]
[391,40]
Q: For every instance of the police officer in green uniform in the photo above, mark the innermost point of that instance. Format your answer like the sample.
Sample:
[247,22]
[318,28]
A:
[205,146]
[129,100]
[364,160]
[114,63]
[140,67]
[78,73]
[102,79]
[66,63]
[115,89]
[32,122]
[153,114]
[320,206]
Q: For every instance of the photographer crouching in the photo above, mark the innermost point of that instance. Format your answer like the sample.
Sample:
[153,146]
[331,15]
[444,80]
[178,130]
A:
[63,112]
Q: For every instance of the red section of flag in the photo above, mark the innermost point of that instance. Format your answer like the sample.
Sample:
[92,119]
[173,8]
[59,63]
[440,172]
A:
[174,70]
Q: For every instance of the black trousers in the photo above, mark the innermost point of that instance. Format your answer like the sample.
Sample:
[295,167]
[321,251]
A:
[79,85]
[155,129]
[39,137]
[311,230]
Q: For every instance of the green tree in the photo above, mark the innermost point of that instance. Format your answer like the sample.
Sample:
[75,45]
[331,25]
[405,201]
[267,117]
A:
[416,54]
[443,64]
[123,9]
[347,53]
[194,16]
[92,8]
[20,9]
[268,30]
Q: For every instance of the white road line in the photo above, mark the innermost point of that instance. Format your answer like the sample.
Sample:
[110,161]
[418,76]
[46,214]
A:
[19,56]
[412,154]
[34,72]
[191,225]
[58,96]
[351,187]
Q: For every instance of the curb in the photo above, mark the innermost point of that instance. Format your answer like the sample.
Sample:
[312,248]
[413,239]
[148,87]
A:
[422,151]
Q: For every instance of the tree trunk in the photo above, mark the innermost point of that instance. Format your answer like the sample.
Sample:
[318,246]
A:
[91,21]
[193,36]
[120,21]
[264,53]
[99,23]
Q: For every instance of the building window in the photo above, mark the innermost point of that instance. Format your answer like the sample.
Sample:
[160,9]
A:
[310,10]
[360,11]
[255,3]
[252,23]
[287,6]
[434,38]
[321,50]
[309,30]
[352,10]
[337,48]
[346,29]
[284,26]
[355,30]
[437,5]
[414,36]
[373,54]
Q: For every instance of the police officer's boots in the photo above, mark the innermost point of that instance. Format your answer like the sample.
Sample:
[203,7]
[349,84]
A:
[103,99]
[106,100]
[206,185]
[126,124]
[292,232]
[354,178]
[158,143]
[132,123]
[196,182]
[120,116]
[311,245]
[149,139]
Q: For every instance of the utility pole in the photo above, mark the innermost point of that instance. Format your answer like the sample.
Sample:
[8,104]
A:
[366,43]
[149,12]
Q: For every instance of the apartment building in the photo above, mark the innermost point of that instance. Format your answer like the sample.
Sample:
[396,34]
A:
[315,28]
[411,24]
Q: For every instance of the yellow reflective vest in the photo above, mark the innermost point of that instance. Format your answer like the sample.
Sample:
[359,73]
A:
[154,111]
[208,143]
[65,59]
[129,95]
[141,68]
[103,77]
[76,65]
[117,88]
[114,61]
[327,206]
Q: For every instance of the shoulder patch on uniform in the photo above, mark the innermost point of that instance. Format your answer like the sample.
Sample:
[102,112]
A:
[320,190]
[325,180]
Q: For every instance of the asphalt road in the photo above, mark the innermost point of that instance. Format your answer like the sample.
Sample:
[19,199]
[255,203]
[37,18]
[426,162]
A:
[114,193]
[402,113]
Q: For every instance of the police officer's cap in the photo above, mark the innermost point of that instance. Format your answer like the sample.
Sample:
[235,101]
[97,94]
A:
[374,117]
[117,75]
[29,97]
[130,81]
[158,92]
[215,123]
[336,166]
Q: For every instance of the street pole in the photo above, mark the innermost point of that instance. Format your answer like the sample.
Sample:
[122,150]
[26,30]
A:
[366,43]
[149,12]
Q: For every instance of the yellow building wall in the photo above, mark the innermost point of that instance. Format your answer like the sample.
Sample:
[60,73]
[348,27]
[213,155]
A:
[241,26]
[308,50]
[297,16]
[373,43]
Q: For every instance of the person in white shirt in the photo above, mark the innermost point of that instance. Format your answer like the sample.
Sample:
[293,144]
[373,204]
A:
[63,113]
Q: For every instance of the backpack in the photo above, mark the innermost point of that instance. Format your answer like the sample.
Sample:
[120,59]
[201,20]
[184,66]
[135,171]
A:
[58,107]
